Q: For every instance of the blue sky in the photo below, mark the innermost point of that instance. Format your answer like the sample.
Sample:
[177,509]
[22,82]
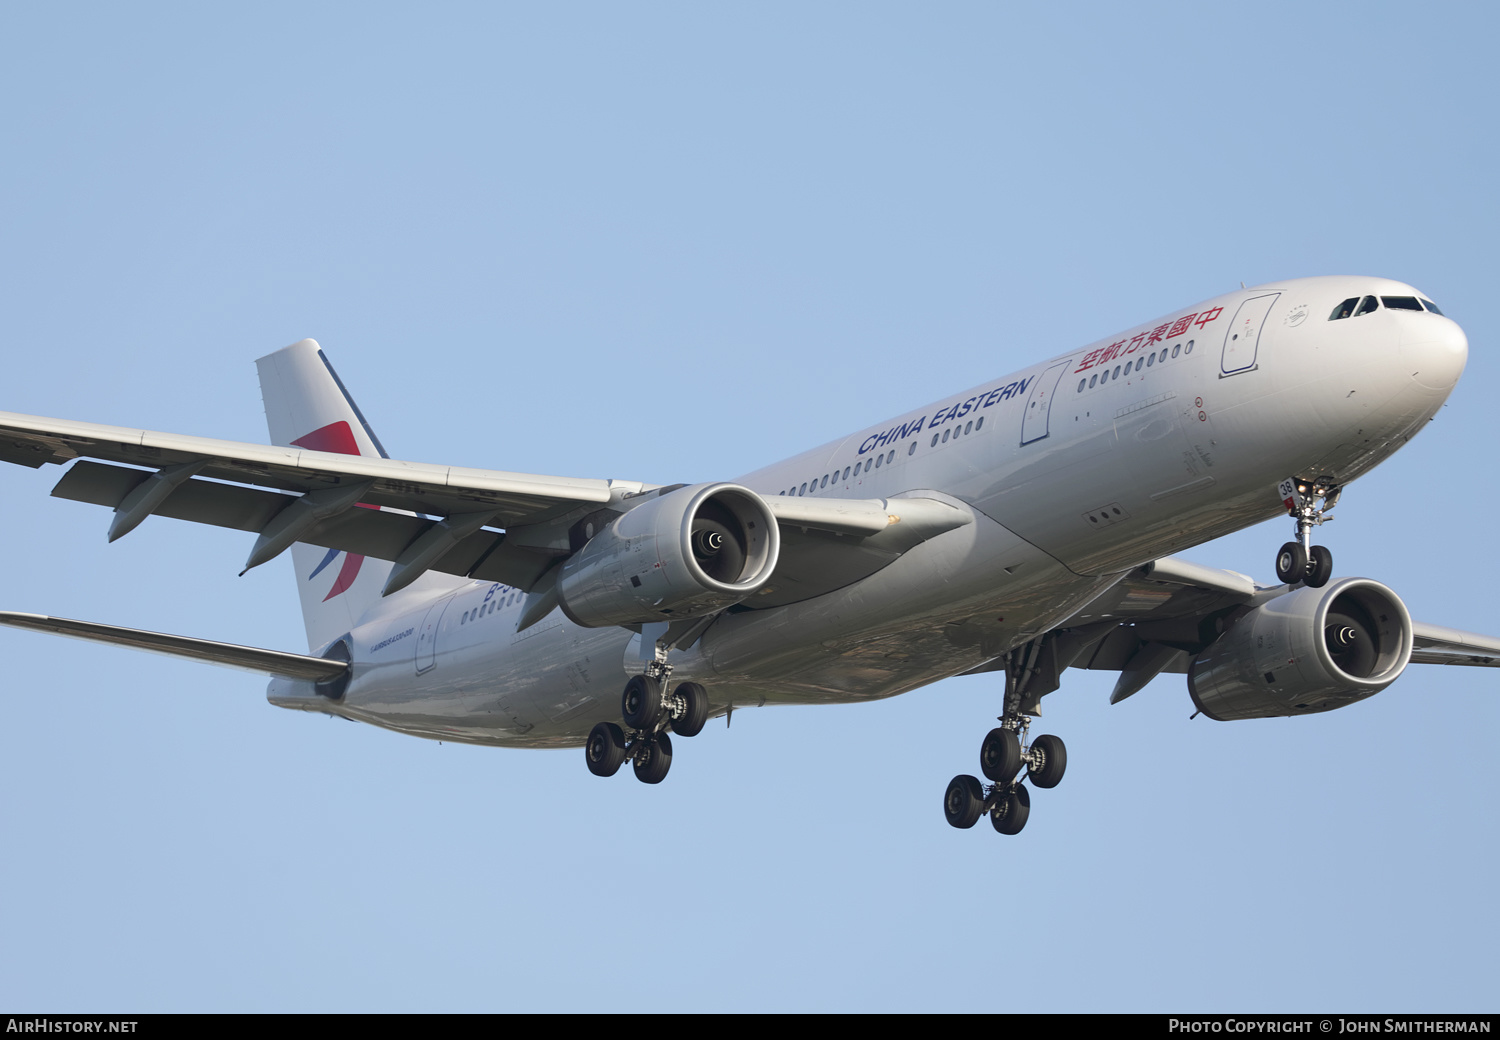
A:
[676,243]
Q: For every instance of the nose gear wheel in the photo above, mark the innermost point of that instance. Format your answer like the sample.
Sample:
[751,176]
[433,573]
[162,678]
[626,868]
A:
[1308,503]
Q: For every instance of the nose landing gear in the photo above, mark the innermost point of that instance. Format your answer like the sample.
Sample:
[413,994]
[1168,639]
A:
[1001,757]
[1308,502]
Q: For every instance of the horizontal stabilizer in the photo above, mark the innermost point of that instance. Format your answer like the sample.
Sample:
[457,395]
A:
[267,662]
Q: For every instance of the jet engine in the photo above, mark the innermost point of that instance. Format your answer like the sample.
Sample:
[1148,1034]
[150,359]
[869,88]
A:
[684,554]
[1308,651]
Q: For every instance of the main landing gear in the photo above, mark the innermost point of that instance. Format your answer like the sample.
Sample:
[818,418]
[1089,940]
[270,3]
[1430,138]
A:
[1006,798]
[648,714]
[1307,501]
[1002,756]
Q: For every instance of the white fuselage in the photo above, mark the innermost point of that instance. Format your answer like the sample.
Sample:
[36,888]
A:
[1074,470]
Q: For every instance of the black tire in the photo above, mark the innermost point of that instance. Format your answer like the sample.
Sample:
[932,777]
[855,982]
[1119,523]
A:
[605,750]
[640,704]
[695,710]
[1012,811]
[654,760]
[1054,761]
[1000,755]
[963,801]
[1291,563]
[1319,567]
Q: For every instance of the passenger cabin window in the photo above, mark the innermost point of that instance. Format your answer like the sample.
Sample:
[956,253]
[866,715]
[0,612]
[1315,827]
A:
[1368,304]
[1344,309]
[1430,305]
[979,422]
[1401,303]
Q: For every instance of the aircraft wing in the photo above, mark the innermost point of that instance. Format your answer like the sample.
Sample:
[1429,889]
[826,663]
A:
[1160,616]
[485,524]
[1434,644]
[513,498]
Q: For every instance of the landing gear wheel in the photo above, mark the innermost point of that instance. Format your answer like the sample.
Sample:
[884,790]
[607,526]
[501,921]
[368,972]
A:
[694,711]
[1010,813]
[1291,563]
[1052,761]
[653,761]
[605,750]
[1000,755]
[963,801]
[1319,567]
[640,704]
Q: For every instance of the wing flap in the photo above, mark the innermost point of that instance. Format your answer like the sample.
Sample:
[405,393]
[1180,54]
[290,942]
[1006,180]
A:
[381,534]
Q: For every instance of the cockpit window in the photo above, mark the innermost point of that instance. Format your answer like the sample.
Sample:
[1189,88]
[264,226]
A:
[1430,305]
[1401,303]
[1344,309]
[1366,305]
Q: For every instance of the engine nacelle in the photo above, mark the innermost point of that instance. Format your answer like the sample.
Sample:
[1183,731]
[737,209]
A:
[684,554]
[1308,651]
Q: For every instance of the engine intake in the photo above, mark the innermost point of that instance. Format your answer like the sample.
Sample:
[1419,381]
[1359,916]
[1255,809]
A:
[1308,651]
[690,552]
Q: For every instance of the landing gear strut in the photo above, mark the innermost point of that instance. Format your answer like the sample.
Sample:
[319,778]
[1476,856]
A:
[648,713]
[1308,502]
[1003,754]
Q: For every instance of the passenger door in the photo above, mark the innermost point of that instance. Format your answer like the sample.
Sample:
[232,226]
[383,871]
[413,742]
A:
[1242,340]
[1034,425]
[427,635]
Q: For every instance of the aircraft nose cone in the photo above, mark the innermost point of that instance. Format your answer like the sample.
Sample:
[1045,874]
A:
[1435,353]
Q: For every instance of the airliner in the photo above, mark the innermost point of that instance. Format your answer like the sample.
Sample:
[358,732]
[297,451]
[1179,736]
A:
[1020,528]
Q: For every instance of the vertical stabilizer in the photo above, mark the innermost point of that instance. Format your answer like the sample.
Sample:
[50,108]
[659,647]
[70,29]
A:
[308,407]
